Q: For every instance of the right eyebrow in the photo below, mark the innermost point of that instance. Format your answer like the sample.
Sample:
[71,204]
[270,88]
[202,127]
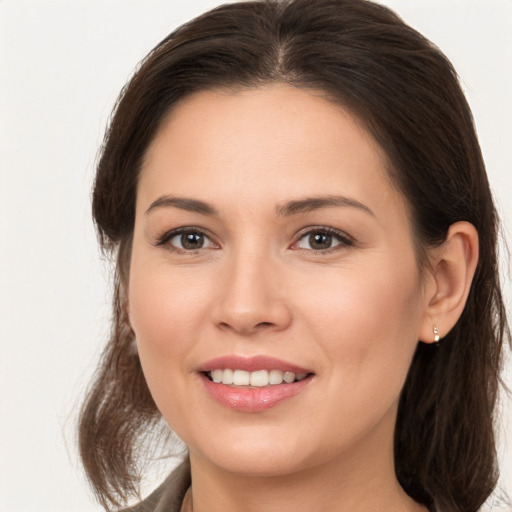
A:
[183,203]
[309,204]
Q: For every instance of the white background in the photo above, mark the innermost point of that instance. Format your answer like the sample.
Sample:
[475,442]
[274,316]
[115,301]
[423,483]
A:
[62,64]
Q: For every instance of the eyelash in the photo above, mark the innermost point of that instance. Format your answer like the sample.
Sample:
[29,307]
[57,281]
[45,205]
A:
[343,239]
[166,237]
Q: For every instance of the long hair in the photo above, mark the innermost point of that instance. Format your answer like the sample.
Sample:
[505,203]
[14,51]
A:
[363,56]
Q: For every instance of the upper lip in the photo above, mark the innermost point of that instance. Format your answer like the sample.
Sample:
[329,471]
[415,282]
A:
[250,364]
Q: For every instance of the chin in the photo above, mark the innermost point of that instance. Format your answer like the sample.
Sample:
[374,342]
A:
[262,457]
[259,465]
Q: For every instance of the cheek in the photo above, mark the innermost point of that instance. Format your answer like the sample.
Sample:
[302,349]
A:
[167,313]
[383,297]
[164,304]
[368,323]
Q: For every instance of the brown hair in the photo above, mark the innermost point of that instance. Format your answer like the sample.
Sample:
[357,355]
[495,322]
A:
[406,92]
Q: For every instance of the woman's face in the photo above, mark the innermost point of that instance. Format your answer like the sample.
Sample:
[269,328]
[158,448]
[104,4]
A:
[269,240]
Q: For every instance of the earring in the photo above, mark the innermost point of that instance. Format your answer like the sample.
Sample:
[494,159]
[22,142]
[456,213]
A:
[436,335]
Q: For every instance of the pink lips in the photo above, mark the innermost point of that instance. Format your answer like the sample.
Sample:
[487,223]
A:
[247,399]
[251,364]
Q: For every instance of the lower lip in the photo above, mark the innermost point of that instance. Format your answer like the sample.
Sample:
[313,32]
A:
[253,399]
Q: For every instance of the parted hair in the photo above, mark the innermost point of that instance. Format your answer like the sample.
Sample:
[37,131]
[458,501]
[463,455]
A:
[362,56]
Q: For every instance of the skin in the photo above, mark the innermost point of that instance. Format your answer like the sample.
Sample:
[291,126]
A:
[352,314]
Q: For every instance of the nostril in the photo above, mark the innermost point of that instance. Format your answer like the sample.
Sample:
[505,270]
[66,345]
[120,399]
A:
[251,319]
[260,325]
[264,324]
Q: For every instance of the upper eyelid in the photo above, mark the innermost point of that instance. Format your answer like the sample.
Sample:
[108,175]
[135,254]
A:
[328,229]
[171,233]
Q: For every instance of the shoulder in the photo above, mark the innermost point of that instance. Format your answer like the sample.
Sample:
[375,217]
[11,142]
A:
[168,497]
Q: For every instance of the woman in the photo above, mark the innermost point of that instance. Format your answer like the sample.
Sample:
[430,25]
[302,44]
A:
[307,288]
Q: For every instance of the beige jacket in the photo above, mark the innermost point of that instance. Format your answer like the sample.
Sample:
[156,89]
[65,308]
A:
[169,496]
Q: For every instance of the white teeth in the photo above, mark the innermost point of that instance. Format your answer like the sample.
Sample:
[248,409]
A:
[241,378]
[227,377]
[289,377]
[217,375]
[275,377]
[258,379]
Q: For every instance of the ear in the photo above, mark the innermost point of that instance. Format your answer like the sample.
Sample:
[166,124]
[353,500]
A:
[453,266]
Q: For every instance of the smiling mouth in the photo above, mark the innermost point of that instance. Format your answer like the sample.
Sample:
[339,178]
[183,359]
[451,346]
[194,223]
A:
[253,384]
[254,379]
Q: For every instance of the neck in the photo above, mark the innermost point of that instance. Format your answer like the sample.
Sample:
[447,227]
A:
[356,482]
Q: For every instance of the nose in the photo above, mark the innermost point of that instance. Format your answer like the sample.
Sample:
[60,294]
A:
[250,297]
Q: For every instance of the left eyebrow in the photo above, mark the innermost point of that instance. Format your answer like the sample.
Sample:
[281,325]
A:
[183,203]
[310,204]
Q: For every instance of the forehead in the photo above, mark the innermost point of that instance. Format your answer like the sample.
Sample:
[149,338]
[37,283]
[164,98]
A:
[262,144]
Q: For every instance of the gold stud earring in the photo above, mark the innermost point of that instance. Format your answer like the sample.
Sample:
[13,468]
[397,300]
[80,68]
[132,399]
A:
[436,335]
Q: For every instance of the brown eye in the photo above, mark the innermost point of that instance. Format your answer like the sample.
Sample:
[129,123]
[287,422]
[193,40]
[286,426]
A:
[191,241]
[323,240]
[320,241]
[187,241]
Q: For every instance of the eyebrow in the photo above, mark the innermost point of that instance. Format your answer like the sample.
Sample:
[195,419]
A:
[183,203]
[288,209]
[310,204]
